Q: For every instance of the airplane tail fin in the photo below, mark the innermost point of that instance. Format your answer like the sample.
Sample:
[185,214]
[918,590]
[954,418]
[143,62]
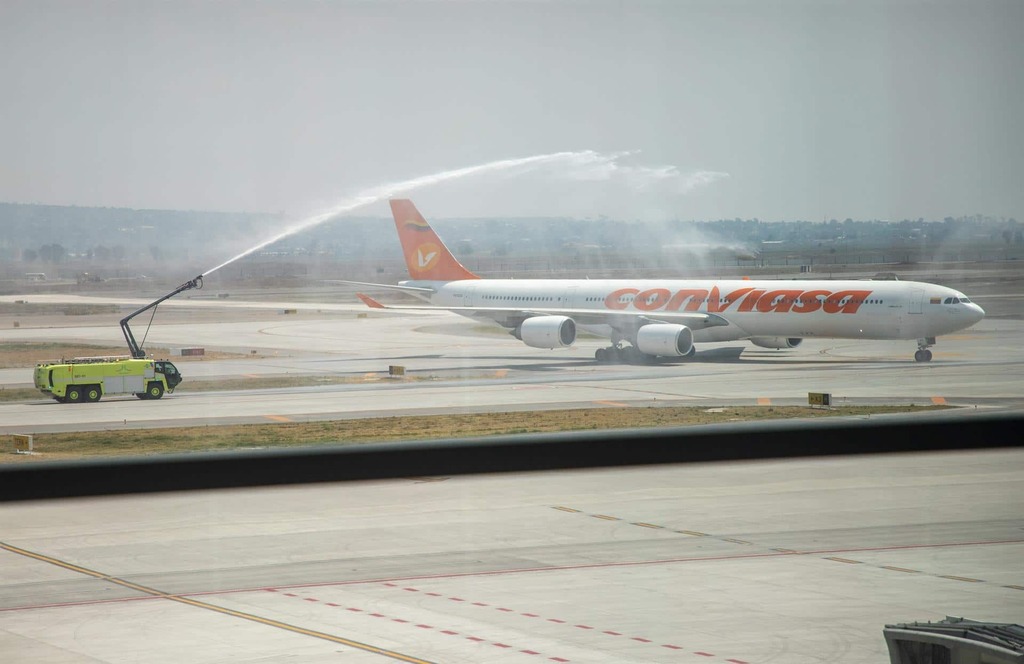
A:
[426,257]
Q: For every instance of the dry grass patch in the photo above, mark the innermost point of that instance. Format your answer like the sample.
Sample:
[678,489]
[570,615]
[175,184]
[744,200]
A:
[73,445]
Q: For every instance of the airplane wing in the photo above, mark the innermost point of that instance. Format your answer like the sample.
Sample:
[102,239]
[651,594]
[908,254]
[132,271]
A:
[413,290]
[620,320]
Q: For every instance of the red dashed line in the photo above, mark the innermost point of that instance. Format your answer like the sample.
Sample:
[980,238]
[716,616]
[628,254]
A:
[638,639]
[352,608]
[530,652]
[449,632]
[412,590]
[332,604]
[435,594]
[475,638]
[501,645]
[290,595]
[393,585]
[311,599]
[425,626]
[378,615]
[399,620]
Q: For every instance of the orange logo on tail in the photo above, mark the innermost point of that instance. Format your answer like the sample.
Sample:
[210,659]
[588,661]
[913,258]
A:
[426,257]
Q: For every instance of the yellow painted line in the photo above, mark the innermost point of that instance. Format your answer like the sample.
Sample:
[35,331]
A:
[692,532]
[646,525]
[564,509]
[939,401]
[764,401]
[901,569]
[250,375]
[501,373]
[843,560]
[367,376]
[613,403]
[278,418]
[213,607]
[960,578]
[737,541]
[606,517]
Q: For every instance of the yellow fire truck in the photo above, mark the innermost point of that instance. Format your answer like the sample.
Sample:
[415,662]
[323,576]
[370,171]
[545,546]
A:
[90,378]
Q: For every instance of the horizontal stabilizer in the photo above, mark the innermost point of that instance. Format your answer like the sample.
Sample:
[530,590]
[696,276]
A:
[370,302]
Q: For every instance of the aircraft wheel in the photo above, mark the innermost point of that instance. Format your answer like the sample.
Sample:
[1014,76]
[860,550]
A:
[74,394]
[154,390]
[601,355]
[93,393]
[923,355]
[632,355]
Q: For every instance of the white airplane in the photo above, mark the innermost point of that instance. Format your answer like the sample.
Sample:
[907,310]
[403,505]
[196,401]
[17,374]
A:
[665,317]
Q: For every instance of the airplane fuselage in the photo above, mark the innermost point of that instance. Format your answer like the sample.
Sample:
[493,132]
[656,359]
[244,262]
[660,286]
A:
[848,309]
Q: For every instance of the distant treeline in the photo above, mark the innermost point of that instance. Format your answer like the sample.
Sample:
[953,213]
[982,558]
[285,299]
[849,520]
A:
[47,234]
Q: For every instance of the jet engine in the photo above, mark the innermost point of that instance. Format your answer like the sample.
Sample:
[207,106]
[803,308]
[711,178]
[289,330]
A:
[664,339]
[776,342]
[547,331]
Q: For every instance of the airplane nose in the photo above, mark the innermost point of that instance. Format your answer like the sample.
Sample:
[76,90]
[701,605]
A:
[977,313]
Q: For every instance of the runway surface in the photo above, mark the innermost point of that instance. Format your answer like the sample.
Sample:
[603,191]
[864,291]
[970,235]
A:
[797,561]
[736,563]
[452,364]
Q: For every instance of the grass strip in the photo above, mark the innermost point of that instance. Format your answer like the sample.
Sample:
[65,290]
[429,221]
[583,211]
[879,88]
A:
[136,442]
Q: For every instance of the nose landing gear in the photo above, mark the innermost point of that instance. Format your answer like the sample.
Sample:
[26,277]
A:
[923,354]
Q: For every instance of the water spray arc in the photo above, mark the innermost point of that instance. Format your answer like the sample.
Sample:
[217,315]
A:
[584,159]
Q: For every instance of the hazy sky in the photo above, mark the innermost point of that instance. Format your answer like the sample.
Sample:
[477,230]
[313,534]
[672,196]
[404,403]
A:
[768,109]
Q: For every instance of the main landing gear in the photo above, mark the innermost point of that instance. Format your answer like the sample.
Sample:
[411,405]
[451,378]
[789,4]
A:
[621,355]
[923,354]
[628,355]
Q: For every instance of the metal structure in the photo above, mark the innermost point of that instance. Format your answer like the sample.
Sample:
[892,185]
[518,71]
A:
[133,347]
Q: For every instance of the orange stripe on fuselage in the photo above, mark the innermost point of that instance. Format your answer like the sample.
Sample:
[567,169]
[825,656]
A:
[746,300]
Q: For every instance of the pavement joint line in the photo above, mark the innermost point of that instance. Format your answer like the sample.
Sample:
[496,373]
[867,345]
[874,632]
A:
[549,569]
[833,558]
[365,647]
[959,578]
